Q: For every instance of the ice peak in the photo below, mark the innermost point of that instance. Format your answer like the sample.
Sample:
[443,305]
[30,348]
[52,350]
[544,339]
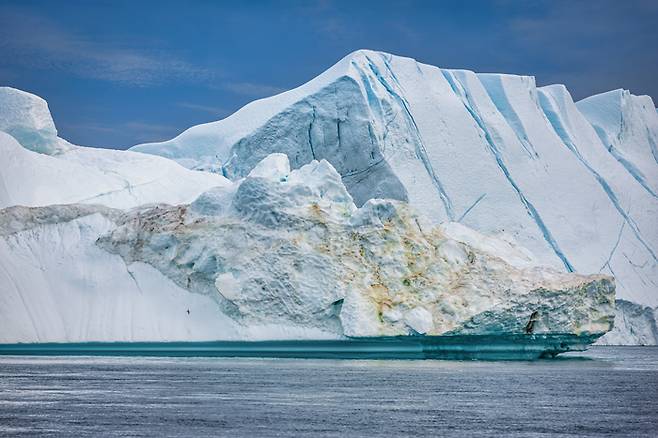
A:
[25,108]
[26,117]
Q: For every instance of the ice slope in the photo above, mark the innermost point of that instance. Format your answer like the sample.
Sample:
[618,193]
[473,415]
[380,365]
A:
[632,257]
[628,127]
[491,151]
[279,254]
[38,168]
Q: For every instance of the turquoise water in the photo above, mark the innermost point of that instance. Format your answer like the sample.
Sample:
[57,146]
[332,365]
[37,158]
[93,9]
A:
[507,347]
[605,391]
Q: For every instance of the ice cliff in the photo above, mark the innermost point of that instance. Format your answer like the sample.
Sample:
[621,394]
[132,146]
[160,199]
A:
[278,254]
[575,183]
[394,164]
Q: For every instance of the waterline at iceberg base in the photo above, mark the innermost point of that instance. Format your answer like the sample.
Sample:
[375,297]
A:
[470,347]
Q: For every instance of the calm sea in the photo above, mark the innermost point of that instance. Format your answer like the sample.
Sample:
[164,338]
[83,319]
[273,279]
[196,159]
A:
[606,391]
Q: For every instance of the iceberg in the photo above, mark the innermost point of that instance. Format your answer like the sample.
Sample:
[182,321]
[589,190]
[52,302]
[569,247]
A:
[286,255]
[574,182]
[386,206]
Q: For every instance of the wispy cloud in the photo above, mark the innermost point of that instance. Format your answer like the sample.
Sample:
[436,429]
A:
[150,131]
[251,89]
[54,47]
[140,131]
[212,110]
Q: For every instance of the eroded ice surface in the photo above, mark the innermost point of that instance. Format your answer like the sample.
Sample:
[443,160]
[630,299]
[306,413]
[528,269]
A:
[277,255]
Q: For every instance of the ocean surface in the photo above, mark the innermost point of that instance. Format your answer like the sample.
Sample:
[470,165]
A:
[606,391]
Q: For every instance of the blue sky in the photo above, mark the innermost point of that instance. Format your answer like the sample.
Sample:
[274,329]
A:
[118,73]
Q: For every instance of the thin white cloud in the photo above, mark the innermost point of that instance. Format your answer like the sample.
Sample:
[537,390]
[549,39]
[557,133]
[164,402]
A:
[141,131]
[251,89]
[38,42]
[213,110]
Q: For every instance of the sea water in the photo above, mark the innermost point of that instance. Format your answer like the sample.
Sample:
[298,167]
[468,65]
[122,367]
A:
[605,391]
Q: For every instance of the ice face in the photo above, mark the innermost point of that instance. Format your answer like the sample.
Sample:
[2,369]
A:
[632,257]
[628,127]
[634,325]
[61,173]
[573,183]
[26,117]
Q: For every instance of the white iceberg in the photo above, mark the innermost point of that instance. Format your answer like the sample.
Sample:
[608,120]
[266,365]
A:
[286,256]
[573,183]
[524,166]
